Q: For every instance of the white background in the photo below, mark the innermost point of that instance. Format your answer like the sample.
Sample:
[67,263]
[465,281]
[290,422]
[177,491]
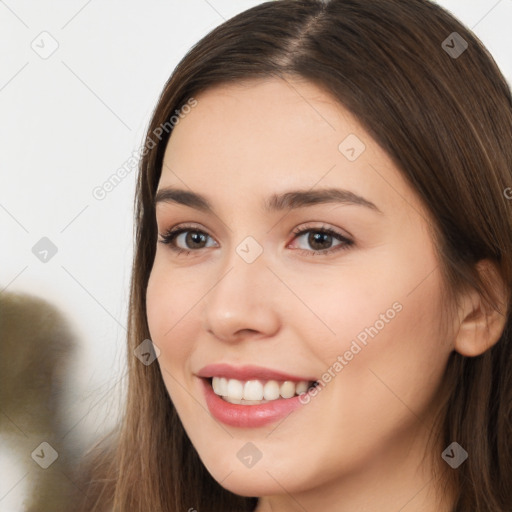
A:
[68,123]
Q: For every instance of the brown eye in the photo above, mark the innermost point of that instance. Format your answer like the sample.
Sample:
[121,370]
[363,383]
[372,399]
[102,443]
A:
[191,239]
[321,239]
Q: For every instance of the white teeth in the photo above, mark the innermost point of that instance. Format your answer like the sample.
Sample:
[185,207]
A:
[253,392]
[235,389]
[271,390]
[287,389]
[223,386]
[301,387]
[220,386]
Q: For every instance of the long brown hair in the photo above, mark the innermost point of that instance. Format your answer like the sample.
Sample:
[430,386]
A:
[445,119]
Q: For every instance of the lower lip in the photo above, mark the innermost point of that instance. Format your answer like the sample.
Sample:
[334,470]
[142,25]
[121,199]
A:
[248,416]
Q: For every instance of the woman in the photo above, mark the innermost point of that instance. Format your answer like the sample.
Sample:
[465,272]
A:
[324,266]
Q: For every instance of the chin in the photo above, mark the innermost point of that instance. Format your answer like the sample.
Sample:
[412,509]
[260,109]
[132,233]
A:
[252,485]
[263,479]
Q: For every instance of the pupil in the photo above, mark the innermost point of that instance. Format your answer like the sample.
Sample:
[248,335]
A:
[196,237]
[317,238]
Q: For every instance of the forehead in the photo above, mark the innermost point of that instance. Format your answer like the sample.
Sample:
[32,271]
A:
[264,136]
[272,114]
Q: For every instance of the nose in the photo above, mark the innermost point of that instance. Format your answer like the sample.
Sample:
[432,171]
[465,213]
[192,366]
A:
[243,301]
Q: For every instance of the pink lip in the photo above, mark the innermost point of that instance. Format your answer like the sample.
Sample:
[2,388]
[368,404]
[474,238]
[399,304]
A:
[248,416]
[248,373]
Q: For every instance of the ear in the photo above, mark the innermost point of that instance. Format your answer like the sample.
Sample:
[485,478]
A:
[481,324]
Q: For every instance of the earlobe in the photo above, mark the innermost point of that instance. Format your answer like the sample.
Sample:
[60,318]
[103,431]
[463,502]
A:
[481,324]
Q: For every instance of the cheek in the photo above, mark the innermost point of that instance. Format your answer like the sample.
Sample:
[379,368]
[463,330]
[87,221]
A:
[393,378]
[159,297]
[168,302]
[388,348]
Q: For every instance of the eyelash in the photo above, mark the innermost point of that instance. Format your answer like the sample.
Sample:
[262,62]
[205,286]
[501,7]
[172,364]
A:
[169,236]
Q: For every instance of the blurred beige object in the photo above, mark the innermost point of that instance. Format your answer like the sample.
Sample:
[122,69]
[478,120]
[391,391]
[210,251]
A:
[36,343]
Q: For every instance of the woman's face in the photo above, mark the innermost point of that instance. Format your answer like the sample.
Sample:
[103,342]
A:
[256,303]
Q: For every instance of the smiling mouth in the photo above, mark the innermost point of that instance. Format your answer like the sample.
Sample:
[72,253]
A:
[256,392]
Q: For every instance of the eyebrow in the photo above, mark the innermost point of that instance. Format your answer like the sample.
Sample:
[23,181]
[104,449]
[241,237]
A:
[288,200]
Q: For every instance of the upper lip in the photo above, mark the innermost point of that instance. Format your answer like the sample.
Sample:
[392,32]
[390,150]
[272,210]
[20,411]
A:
[248,372]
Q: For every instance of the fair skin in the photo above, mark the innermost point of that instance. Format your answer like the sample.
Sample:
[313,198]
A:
[358,444]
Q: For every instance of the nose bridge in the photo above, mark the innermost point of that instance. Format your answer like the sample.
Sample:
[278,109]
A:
[245,260]
[242,296]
